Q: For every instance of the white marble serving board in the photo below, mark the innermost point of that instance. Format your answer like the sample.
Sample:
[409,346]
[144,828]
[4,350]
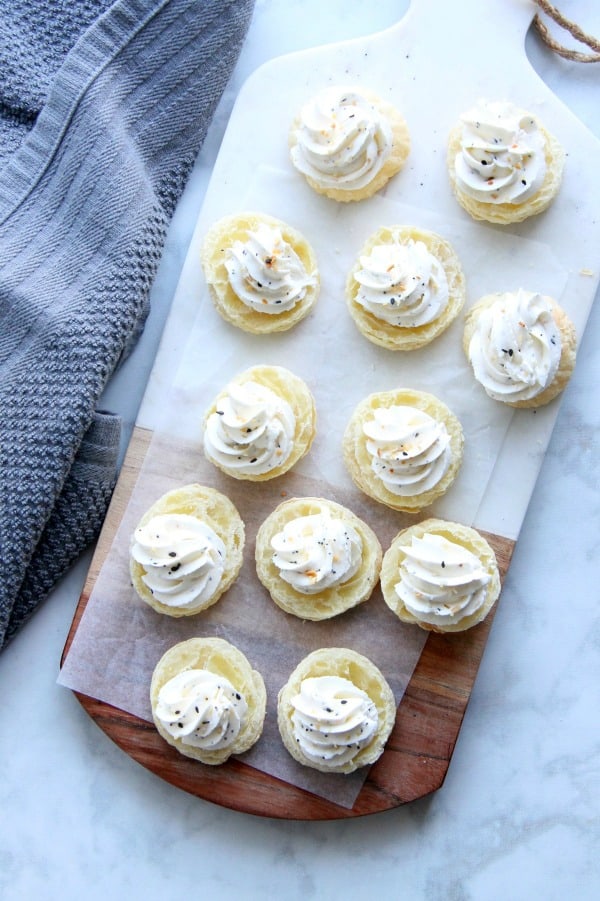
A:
[432,81]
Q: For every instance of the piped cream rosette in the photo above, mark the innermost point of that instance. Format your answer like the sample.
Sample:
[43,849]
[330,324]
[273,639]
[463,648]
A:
[316,558]
[348,142]
[336,711]
[403,448]
[207,701]
[186,550]
[260,425]
[406,287]
[521,346]
[441,576]
[503,164]
[262,273]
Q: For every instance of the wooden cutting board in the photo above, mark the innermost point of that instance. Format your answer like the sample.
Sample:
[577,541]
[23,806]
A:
[417,754]
[432,74]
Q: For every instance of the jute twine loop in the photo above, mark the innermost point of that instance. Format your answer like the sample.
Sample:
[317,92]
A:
[573,29]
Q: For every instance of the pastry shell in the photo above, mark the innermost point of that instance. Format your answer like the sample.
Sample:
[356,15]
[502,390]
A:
[358,459]
[466,536]
[508,213]
[568,352]
[331,601]
[220,237]
[396,159]
[217,511]
[296,392]
[224,659]
[358,669]
[395,337]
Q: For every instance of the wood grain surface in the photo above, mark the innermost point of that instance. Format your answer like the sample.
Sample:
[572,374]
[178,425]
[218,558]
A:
[418,752]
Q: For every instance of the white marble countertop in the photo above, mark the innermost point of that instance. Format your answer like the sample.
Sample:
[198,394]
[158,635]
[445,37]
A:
[518,815]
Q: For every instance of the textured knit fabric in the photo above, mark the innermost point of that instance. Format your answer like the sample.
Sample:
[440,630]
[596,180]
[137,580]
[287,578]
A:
[103,109]
[33,43]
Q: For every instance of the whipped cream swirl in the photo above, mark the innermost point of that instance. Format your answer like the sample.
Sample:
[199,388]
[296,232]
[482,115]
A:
[333,720]
[410,450]
[201,709]
[441,582]
[502,158]
[342,141]
[316,552]
[402,284]
[252,430]
[266,273]
[516,346]
[182,557]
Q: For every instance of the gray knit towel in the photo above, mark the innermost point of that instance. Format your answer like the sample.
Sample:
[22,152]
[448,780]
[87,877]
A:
[103,109]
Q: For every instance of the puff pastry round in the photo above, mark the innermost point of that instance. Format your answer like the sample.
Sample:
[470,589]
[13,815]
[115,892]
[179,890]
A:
[261,424]
[262,273]
[186,550]
[516,157]
[441,576]
[336,711]
[348,142]
[316,558]
[403,448]
[207,701]
[522,347]
[406,287]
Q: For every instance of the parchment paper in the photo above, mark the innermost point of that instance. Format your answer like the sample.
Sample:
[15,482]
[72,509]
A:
[120,639]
